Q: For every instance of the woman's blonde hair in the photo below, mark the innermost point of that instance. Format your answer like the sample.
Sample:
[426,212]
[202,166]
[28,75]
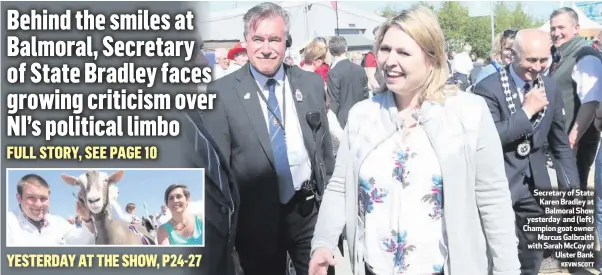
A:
[499,44]
[421,24]
[314,51]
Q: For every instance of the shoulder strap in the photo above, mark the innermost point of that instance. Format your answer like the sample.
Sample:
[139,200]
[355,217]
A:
[496,66]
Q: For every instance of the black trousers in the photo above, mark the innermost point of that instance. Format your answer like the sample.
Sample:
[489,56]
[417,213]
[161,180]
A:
[586,154]
[530,260]
[294,237]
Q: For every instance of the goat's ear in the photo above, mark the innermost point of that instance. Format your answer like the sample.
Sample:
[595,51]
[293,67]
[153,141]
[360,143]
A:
[116,177]
[71,180]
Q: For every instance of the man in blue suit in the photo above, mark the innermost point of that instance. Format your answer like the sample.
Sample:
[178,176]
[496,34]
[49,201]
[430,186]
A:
[528,112]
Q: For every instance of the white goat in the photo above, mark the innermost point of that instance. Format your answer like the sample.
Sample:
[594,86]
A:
[98,193]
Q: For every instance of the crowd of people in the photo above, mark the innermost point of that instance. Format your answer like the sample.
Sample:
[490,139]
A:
[431,176]
[436,163]
[180,221]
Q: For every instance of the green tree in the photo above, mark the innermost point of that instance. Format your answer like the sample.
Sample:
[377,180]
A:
[479,35]
[521,20]
[454,21]
[503,17]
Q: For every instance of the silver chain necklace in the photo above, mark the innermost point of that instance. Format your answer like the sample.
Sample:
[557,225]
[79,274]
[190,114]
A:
[524,148]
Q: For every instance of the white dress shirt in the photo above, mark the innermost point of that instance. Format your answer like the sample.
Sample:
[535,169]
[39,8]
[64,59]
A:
[586,75]
[520,84]
[462,63]
[334,125]
[56,231]
[520,87]
[337,60]
[298,158]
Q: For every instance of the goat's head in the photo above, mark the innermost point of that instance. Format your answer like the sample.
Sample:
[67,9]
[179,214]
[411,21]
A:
[96,187]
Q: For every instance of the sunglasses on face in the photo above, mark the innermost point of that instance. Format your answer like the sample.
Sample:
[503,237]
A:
[509,33]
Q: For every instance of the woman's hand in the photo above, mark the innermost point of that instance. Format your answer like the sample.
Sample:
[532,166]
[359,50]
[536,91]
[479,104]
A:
[320,261]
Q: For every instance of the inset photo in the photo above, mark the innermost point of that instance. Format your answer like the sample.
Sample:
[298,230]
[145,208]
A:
[105,207]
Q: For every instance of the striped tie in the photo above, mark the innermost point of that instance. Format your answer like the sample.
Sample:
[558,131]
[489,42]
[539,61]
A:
[283,170]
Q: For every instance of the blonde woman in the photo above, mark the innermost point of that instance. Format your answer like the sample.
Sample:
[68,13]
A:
[314,59]
[501,54]
[419,183]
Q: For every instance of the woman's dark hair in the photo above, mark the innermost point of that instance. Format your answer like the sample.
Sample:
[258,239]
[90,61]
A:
[174,187]
[509,34]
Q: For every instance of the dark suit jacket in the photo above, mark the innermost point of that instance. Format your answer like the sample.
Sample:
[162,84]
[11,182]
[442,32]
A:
[347,84]
[237,124]
[514,128]
[220,222]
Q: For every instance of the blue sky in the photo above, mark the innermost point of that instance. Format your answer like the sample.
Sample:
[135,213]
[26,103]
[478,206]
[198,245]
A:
[136,186]
[537,9]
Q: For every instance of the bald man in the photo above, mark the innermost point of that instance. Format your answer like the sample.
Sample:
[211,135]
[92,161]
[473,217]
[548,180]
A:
[528,112]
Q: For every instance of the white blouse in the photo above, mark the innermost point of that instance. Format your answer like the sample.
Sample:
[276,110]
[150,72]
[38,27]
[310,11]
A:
[401,202]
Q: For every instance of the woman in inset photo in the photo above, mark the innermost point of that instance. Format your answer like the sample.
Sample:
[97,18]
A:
[184,227]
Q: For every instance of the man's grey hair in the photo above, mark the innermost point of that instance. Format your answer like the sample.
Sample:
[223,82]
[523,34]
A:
[263,11]
[566,10]
[337,45]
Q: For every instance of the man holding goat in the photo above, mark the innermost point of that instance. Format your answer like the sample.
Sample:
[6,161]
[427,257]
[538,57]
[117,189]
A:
[34,226]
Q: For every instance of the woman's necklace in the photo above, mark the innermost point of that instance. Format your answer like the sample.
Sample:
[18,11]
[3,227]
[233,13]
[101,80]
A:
[407,123]
[175,225]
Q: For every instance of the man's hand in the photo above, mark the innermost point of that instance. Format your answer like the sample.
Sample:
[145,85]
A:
[320,260]
[572,138]
[535,100]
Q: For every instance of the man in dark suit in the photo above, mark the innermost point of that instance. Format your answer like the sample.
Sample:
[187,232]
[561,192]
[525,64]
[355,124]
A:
[198,150]
[270,123]
[347,82]
[528,114]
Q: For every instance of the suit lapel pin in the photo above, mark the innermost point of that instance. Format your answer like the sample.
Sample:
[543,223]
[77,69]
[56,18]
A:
[247,96]
[514,95]
[298,96]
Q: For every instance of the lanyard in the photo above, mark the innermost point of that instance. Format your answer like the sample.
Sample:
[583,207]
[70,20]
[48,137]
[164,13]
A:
[280,122]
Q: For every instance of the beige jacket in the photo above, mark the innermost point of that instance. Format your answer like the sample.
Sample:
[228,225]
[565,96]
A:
[478,209]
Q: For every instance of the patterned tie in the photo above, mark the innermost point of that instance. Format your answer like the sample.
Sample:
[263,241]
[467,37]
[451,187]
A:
[283,170]
[527,89]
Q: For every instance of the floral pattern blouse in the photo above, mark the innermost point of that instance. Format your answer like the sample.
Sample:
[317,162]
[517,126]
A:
[401,202]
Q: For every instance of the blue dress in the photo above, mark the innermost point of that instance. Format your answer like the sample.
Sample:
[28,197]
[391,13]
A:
[176,239]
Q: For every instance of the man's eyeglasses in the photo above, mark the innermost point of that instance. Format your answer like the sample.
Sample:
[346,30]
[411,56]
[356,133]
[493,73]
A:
[509,33]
